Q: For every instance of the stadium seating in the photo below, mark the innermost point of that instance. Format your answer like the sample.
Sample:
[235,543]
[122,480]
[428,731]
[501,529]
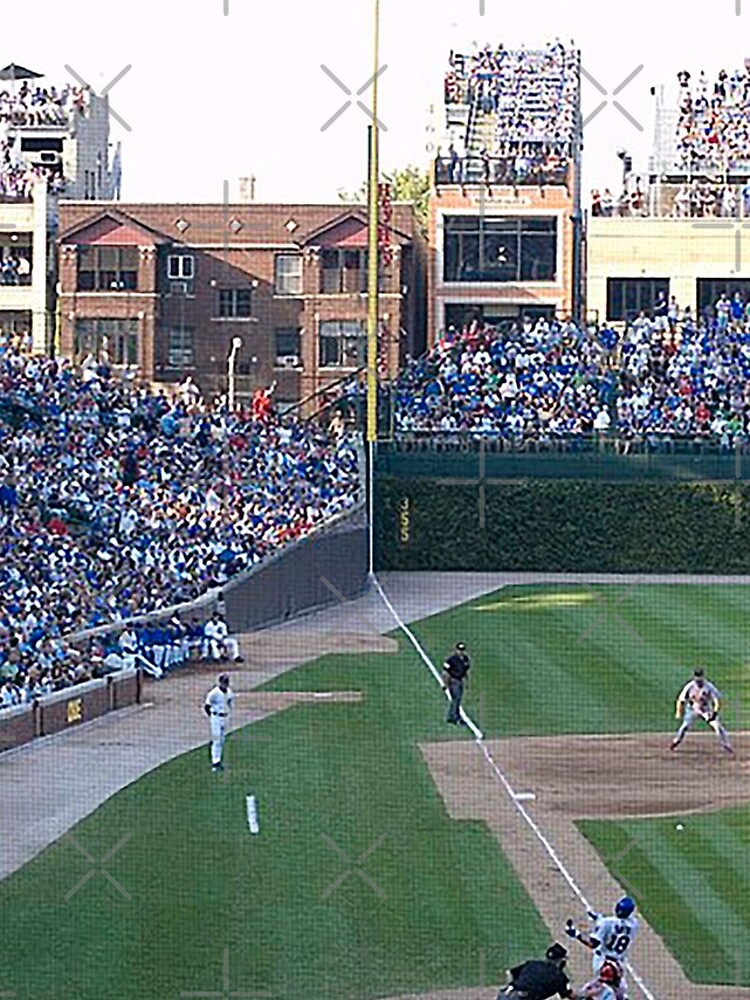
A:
[520,110]
[712,131]
[660,382]
[116,502]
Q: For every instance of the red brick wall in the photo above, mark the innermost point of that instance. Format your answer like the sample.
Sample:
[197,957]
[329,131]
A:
[221,260]
[502,201]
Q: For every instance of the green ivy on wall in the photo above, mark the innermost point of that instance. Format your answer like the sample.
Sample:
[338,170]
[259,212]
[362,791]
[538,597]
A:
[563,525]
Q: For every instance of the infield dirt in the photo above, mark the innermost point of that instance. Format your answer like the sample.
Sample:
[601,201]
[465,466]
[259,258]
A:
[558,772]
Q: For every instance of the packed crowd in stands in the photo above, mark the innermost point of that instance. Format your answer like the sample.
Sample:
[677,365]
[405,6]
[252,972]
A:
[28,104]
[712,143]
[115,501]
[668,377]
[533,93]
[713,126]
[528,99]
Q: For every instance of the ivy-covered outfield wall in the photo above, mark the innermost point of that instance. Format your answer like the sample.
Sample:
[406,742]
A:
[564,525]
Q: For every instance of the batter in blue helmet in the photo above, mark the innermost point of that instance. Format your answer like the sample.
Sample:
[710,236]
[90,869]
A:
[610,938]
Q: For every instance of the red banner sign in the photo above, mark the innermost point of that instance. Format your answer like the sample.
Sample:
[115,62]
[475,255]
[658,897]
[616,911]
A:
[385,214]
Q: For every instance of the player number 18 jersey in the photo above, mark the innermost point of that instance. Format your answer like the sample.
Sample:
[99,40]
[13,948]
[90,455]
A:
[615,936]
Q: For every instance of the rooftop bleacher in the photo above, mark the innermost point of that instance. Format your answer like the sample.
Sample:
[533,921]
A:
[34,104]
[704,131]
[510,116]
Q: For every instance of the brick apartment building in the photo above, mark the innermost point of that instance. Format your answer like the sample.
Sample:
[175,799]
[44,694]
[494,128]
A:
[167,288]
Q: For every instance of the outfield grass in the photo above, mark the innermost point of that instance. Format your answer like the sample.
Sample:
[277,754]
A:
[693,886]
[556,660]
[199,884]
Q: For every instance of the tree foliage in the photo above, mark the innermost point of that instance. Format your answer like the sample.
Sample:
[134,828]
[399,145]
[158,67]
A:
[407,184]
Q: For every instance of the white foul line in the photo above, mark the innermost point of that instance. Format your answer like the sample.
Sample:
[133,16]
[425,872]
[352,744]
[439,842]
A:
[502,779]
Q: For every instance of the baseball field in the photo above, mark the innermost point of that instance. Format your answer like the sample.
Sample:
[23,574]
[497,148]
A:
[397,857]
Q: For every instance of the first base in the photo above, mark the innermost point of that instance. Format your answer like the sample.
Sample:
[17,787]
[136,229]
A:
[252,814]
[524,797]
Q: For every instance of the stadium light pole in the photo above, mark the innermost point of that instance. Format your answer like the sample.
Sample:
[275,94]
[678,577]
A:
[372,287]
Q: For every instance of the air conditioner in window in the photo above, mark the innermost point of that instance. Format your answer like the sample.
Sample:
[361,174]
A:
[288,361]
[179,287]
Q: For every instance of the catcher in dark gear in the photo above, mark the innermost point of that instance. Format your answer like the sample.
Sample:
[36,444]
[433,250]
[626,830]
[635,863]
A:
[539,979]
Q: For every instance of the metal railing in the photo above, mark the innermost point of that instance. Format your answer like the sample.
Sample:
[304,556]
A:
[445,457]
[497,170]
[600,443]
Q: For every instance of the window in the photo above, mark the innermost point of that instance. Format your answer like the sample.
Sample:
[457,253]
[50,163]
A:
[710,290]
[343,272]
[500,249]
[288,280]
[287,342]
[111,340]
[180,267]
[180,348]
[342,343]
[234,303]
[627,297]
[107,269]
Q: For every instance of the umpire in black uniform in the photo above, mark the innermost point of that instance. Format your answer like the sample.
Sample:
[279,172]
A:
[539,979]
[455,669]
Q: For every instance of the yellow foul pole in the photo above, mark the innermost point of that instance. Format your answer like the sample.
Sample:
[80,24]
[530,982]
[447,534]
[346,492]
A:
[372,245]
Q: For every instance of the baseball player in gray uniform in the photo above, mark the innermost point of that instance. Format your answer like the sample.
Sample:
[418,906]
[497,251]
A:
[217,707]
[699,699]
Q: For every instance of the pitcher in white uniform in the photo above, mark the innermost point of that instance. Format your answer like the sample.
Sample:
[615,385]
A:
[217,707]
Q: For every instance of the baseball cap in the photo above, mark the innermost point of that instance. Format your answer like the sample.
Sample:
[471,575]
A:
[699,672]
[461,646]
[223,678]
[556,952]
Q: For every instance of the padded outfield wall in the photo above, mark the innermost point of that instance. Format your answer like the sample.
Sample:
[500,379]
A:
[469,508]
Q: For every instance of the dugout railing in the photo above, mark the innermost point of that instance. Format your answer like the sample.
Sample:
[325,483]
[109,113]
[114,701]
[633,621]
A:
[70,707]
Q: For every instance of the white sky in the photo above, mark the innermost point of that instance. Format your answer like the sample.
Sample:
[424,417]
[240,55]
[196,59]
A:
[213,97]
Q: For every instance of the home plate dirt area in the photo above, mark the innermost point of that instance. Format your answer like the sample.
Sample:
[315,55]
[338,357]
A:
[579,777]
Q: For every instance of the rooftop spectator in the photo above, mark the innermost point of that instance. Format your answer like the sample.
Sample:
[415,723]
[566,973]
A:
[525,104]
